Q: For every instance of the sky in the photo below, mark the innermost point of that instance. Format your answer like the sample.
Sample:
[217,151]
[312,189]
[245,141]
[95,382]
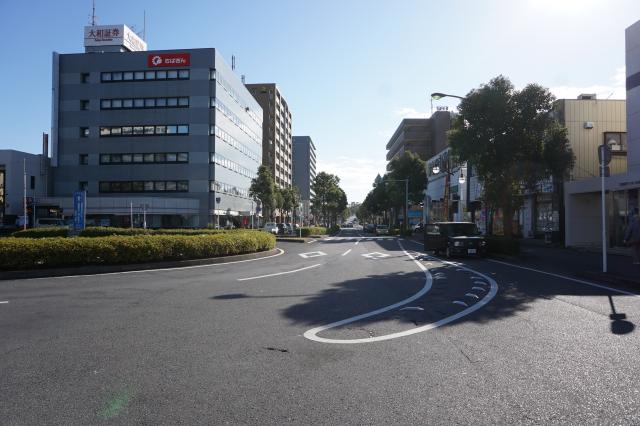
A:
[350,70]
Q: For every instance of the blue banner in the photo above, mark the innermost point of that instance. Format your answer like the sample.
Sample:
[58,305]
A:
[79,209]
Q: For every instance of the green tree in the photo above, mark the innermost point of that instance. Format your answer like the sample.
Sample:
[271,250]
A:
[407,166]
[503,133]
[264,188]
[278,202]
[291,199]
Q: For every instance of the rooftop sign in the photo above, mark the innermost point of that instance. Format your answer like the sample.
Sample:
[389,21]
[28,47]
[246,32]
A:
[113,35]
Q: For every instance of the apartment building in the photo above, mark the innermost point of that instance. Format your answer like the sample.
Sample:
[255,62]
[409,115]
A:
[304,171]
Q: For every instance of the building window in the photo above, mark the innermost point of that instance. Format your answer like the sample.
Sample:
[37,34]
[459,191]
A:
[33,182]
[173,102]
[83,185]
[84,104]
[84,132]
[117,76]
[146,158]
[144,130]
[84,159]
[617,141]
[144,186]
[84,77]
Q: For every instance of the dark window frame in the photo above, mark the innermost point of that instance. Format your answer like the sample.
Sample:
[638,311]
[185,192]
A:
[181,102]
[138,186]
[138,130]
[108,76]
[133,154]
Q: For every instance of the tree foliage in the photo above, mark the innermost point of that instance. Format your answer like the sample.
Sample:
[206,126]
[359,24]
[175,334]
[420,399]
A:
[264,188]
[329,200]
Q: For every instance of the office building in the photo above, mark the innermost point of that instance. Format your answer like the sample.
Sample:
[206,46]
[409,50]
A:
[423,136]
[276,132]
[304,171]
[169,134]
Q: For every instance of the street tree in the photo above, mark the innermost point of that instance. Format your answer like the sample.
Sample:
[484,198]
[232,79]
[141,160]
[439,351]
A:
[264,188]
[504,133]
[329,200]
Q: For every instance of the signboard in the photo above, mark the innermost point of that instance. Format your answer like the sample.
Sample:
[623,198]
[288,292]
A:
[113,35]
[79,209]
[169,60]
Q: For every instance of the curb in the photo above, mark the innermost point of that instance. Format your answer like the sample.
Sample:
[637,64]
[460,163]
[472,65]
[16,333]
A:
[105,269]
[609,278]
[292,240]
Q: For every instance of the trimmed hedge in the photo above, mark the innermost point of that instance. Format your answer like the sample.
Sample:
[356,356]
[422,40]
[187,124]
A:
[313,230]
[501,245]
[58,231]
[22,253]
[333,229]
[103,231]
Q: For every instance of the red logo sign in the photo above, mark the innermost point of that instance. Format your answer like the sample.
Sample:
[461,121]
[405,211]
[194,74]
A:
[169,60]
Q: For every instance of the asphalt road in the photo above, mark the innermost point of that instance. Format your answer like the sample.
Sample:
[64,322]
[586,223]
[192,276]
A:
[351,330]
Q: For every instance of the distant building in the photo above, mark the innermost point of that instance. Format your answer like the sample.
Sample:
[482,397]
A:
[276,132]
[304,170]
[423,136]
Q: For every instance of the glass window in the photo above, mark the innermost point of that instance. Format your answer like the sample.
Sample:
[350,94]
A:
[149,130]
[116,158]
[150,75]
[138,130]
[183,129]
[172,102]
[139,75]
[172,157]
[148,186]
[159,186]
[213,102]
[125,186]
[160,158]
[105,158]
[161,75]
[116,76]
[84,132]
[127,130]
[126,158]
[116,131]
[149,103]
[183,102]
[212,74]
[84,104]
[171,185]
[84,159]
[104,187]
[105,131]
[161,102]
[183,157]
[138,103]
[161,130]
[127,103]
[128,75]
[172,74]
[116,103]
[105,76]
[183,185]
[137,186]
[172,130]
[137,158]
[83,185]
[105,103]
[148,158]
[184,74]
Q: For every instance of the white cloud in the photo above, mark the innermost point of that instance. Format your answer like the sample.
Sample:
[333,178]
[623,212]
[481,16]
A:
[614,90]
[408,112]
[356,174]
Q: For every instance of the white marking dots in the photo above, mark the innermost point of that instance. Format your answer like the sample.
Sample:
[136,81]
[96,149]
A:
[312,254]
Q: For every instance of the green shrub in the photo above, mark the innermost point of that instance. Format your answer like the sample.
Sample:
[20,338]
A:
[313,230]
[101,231]
[333,229]
[22,253]
[394,231]
[60,231]
[501,245]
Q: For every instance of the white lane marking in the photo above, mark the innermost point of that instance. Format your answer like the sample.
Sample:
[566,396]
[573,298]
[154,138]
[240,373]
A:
[457,302]
[5,301]
[312,254]
[346,252]
[312,334]
[475,296]
[280,273]
[375,255]
[357,242]
[412,308]
[158,269]
[478,288]
[312,241]
[628,293]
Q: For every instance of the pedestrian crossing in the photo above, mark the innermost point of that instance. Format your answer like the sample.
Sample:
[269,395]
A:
[354,239]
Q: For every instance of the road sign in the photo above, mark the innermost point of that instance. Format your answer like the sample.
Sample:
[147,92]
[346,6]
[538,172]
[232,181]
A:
[604,151]
[79,209]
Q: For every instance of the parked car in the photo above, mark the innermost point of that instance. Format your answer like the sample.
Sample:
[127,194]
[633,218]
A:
[270,227]
[282,229]
[370,227]
[454,238]
[49,222]
[382,230]
[418,227]
[289,228]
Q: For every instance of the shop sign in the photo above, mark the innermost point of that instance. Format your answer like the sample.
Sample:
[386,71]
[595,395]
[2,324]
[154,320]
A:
[169,60]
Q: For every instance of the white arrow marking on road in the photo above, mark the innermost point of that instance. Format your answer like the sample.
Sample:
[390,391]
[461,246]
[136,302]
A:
[412,308]
[457,302]
[472,295]
[280,273]
[478,288]
[480,282]
[375,255]
[312,254]
[346,252]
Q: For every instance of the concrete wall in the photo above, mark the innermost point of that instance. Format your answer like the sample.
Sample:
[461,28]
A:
[13,164]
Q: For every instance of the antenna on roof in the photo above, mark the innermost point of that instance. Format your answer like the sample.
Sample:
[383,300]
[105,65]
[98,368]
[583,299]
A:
[94,18]
[610,95]
[233,62]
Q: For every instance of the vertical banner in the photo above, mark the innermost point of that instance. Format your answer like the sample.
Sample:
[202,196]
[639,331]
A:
[79,209]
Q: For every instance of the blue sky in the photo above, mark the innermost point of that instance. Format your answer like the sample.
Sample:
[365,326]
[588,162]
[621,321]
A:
[350,70]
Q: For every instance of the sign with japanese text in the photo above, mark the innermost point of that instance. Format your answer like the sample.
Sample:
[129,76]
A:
[113,35]
[169,60]
[79,209]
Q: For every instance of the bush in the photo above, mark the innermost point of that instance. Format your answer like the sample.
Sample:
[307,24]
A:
[313,230]
[100,231]
[22,253]
[501,245]
[333,229]
[60,231]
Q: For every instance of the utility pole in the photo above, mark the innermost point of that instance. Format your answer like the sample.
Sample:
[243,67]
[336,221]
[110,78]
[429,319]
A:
[24,198]
[131,214]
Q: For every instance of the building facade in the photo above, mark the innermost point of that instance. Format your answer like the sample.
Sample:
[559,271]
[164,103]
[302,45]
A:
[170,134]
[423,136]
[276,132]
[304,171]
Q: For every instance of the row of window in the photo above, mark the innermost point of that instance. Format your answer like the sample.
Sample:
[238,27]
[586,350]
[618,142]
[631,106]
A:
[145,186]
[144,130]
[213,75]
[216,103]
[226,188]
[232,165]
[117,76]
[226,137]
[145,158]
[181,102]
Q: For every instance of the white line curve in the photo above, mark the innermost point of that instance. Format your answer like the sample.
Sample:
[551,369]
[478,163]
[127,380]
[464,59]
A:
[280,273]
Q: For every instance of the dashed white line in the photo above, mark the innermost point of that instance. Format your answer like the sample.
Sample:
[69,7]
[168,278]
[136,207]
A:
[457,302]
[4,301]
[346,252]
[280,273]
[475,296]
[478,288]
